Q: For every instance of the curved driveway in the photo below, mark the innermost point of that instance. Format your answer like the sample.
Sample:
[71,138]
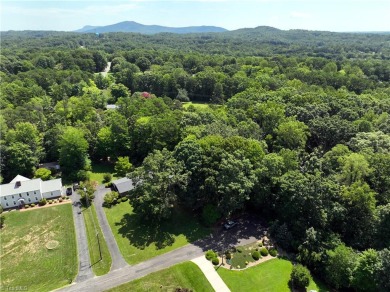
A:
[117,260]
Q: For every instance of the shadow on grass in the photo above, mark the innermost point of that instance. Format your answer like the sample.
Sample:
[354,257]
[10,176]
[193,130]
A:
[141,234]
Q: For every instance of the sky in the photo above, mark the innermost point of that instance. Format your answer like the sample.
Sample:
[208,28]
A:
[329,15]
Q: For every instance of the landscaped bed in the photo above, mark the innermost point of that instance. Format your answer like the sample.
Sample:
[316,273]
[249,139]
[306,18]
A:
[139,241]
[38,249]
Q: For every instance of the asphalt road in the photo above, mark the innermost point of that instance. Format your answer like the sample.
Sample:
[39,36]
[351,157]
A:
[117,259]
[248,230]
[85,270]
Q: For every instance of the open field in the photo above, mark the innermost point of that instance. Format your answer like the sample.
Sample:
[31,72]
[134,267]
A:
[99,169]
[99,267]
[139,242]
[184,275]
[269,276]
[25,258]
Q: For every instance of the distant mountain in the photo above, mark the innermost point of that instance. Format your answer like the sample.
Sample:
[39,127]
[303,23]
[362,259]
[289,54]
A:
[86,28]
[131,26]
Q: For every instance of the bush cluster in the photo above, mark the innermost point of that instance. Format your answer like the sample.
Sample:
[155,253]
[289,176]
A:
[111,198]
[210,254]
[256,255]
[273,252]
[107,177]
[32,205]
[263,251]
[42,202]
[215,261]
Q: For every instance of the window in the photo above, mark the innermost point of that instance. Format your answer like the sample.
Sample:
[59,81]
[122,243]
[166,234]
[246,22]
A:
[14,203]
[12,196]
[20,195]
[29,199]
[36,198]
[5,198]
[51,194]
[28,194]
[35,192]
[6,204]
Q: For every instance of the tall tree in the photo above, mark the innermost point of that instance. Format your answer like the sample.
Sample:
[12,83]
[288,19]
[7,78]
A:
[73,152]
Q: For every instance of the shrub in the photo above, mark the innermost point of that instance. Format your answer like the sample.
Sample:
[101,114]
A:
[50,201]
[210,254]
[2,219]
[300,276]
[215,261]
[124,199]
[107,177]
[228,255]
[108,185]
[260,244]
[273,252]
[43,173]
[263,251]
[42,202]
[256,255]
[239,249]
[60,200]
[26,206]
[110,199]
[32,205]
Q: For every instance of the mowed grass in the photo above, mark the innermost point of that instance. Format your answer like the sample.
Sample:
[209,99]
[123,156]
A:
[272,275]
[25,260]
[184,275]
[99,267]
[197,105]
[139,241]
[99,169]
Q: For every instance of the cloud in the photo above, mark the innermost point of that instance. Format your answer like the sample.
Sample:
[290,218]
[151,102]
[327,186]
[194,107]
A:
[297,14]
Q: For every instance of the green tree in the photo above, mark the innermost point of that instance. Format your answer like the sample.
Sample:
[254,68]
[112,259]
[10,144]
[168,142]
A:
[382,270]
[355,169]
[340,264]
[19,159]
[292,134]
[73,152]
[300,276]
[43,173]
[365,271]
[123,166]
[157,183]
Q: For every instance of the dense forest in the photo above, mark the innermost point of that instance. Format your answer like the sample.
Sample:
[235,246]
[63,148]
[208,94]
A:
[296,130]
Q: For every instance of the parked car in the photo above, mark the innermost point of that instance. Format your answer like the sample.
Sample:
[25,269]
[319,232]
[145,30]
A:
[76,186]
[229,224]
[69,191]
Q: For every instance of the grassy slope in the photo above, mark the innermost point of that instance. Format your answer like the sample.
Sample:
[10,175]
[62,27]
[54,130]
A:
[99,267]
[138,242]
[25,261]
[269,276]
[184,275]
[197,105]
[99,169]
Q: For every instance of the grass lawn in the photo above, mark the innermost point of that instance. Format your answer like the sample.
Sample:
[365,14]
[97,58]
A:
[100,267]
[269,276]
[197,105]
[99,169]
[184,275]
[25,260]
[139,242]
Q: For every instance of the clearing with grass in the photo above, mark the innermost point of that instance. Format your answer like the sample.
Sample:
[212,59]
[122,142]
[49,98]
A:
[138,241]
[184,275]
[38,248]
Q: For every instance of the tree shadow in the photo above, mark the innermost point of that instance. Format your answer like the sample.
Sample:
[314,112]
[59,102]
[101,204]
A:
[141,233]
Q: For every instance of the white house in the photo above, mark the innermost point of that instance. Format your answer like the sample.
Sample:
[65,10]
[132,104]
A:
[21,191]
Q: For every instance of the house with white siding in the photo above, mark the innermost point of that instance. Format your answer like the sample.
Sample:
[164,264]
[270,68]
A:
[21,191]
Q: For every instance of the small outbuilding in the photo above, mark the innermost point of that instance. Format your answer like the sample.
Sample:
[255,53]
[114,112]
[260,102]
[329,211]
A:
[123,185]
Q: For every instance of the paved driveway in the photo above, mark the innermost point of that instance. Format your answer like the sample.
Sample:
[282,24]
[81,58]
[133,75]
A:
[85,270]
[248,230]
[117,259]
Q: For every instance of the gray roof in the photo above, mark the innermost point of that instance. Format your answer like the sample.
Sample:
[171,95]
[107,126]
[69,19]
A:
[19,178]
[51,185]
[29,185]
[26,186]
[111,106]
[123,185]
